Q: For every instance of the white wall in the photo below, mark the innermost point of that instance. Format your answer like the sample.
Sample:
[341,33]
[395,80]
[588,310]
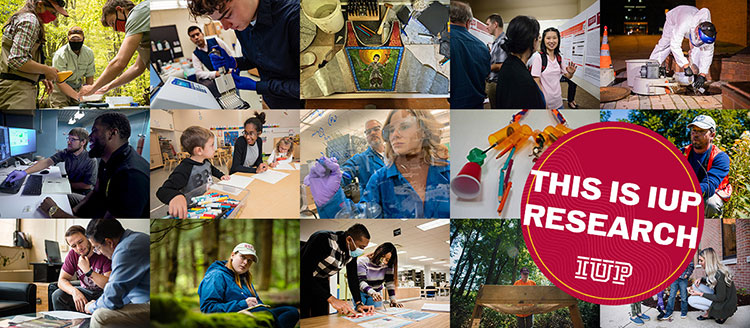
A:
[182,20]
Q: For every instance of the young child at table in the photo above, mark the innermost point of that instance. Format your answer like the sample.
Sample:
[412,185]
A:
[191,177]
[283,152]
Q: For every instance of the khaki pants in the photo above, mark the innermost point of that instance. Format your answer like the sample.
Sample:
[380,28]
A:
[15,94]
[130,315]
[58,99]
[490,88]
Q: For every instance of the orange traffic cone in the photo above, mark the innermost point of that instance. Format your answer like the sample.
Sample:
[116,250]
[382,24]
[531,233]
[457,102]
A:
[605,61]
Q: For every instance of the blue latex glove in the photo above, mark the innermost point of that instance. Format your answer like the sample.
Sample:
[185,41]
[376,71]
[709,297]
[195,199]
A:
[324,180]
[16,175]
[241,82]
[225,60]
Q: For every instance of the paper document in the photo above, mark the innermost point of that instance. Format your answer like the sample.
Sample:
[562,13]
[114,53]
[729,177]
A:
[271,176]
[416,315]
[387,322]
[67,315]
[285,166]
[236,180]
[436,307]
[21,318]
[394,310]
[297,165]
[361,317]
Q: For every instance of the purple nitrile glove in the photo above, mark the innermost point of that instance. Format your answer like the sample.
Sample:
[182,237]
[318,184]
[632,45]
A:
[16,175]
[243,83]
[324,180]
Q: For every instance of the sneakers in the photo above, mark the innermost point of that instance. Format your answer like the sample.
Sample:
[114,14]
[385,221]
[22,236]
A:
[683,315]
[637,321]
[644,317]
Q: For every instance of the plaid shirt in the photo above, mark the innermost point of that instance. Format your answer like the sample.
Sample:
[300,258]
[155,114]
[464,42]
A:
[25,30]
[336,259]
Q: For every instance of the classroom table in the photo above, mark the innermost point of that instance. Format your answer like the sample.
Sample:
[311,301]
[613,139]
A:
[442,319]
[270,201]
[27,206]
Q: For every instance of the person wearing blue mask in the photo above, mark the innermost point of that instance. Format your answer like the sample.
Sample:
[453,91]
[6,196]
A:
[688,22]
[414,183]
[228,287]
[268,31]
[324,254]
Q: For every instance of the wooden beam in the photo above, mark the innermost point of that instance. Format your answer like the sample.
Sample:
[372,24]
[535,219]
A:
[495,294]
[476,316]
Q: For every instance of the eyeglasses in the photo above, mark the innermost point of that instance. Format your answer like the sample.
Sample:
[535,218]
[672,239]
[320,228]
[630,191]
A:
[252,134]
[72,139]
[375,129]
[403,126]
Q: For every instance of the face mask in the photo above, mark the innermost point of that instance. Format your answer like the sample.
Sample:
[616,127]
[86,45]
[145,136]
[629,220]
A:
[356,252]
[75,45]
[47,16]
[119,24]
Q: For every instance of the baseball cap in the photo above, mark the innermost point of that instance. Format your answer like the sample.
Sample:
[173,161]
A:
[525,270]
[75,30]
[245,249]
[59,6]
[703,121]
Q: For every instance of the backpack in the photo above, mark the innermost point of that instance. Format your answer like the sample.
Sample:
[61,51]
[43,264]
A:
[544,60]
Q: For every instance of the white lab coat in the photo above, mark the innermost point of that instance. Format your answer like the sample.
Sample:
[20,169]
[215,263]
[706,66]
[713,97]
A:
[681,22]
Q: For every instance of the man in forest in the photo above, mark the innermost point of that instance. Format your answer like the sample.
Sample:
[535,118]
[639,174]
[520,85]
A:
[711,164]
[92,269]
[125,299]
[525,320]
[323,255]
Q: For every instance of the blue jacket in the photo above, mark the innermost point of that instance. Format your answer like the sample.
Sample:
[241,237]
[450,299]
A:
[363,166]
[130,279]
[710,180]
[470,66]
[272,46]
[219,293]
[389,189]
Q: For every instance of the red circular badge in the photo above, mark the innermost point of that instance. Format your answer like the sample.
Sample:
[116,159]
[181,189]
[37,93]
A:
[612,213]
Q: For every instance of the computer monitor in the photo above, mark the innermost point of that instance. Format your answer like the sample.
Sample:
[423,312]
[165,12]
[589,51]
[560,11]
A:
[4,144]
[22,141]
[52,248]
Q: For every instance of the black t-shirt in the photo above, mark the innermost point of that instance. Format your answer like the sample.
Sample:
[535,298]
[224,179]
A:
[516,88]
[190,179]
[122,188]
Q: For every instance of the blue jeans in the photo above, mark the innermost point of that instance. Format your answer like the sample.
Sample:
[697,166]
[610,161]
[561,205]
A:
[368,300]
[286,316]
[682,285]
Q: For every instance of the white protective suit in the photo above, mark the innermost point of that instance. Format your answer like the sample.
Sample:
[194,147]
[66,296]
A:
[681,22]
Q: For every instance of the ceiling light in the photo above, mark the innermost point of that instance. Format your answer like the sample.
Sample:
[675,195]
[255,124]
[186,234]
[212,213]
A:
[78,115]
[72,121]
[418,257]
[371,244]
[440,262]
[433,224]
[427,259]
[400,252]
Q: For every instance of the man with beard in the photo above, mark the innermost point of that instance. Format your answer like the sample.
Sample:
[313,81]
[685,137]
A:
[92,269]
[711,165]
[81,169]
[76,57]
[122,186]
[364,164]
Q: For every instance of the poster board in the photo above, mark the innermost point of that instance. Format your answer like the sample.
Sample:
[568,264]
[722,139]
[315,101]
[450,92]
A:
[580,44]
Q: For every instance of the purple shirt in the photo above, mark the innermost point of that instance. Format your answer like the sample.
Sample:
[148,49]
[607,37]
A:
[100,263]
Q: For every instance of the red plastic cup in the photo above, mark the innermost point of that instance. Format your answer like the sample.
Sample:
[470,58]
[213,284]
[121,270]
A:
[467,184]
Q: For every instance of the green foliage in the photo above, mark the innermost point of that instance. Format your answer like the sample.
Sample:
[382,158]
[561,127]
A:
[173,312]
[104,41]
[732,136]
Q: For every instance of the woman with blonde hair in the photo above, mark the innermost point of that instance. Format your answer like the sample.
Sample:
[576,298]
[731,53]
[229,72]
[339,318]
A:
[228,287]
[414,182]
[715,293]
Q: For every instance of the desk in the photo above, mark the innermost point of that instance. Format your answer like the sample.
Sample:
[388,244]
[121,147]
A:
[23,206]
[271,201]
[442,319]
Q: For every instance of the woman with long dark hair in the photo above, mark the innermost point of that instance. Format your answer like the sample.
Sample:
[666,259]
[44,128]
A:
[377,270]
[547,68]
[248,149]
[515,86]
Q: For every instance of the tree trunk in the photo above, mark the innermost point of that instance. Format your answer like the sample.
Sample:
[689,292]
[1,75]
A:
[460,263]
[194,265]
[488,277]
[264,233]
[210,238]
[469,269]
[284,246]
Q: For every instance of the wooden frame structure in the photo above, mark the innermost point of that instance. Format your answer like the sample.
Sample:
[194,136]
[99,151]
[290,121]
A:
[540,299]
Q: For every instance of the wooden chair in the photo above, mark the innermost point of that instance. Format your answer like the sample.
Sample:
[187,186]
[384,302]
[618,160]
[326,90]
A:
[168,162]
